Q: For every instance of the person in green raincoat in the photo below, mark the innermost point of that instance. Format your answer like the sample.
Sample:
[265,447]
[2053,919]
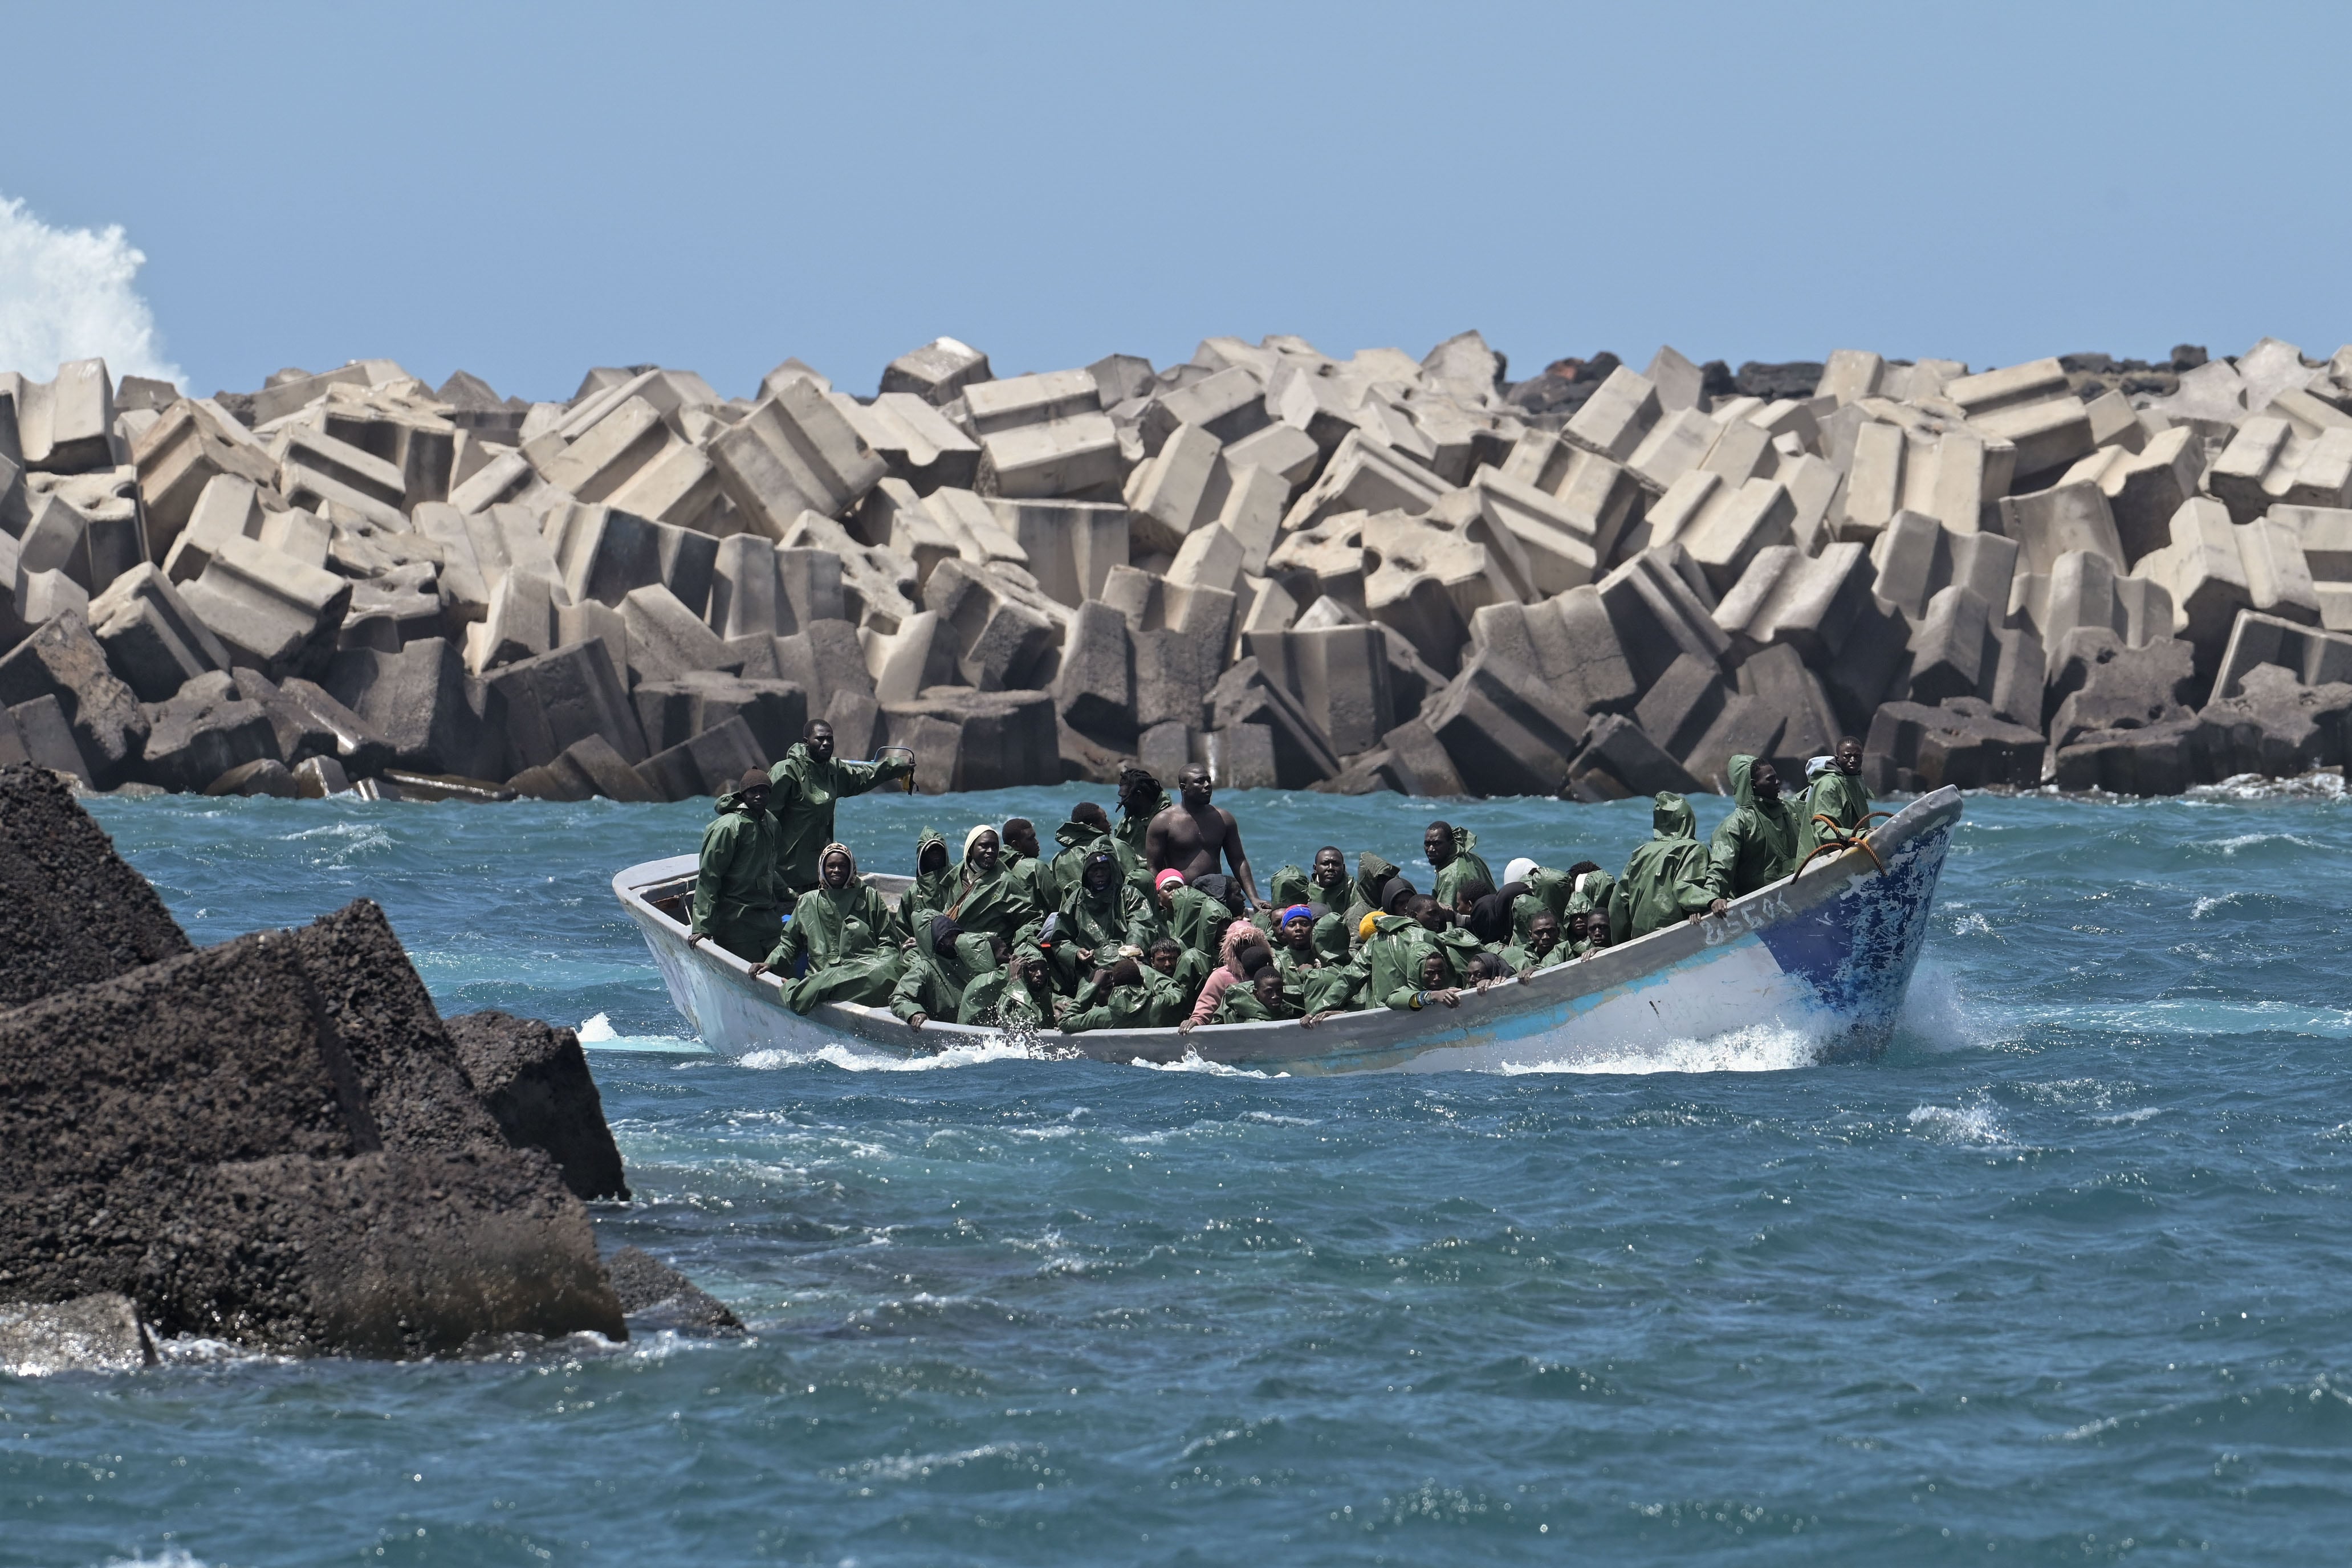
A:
[1261,999]
[1837,793]
[849,936]
[988,898]
[1086,830]
[1313,979]
[1542,948]
[1390,955]
[804,787]
[1667,880]
[1452,852]
[945,964]
[1372,876]
[1332,891]
[735,884]
[1128,994]
[1755,846]
[1141,799]
[1024,859]
[935,880]
[1443,933]
[1427,986]
[1098,916]
[1020,996]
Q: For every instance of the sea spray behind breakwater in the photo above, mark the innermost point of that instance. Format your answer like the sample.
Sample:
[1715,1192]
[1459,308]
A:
[2059,1273]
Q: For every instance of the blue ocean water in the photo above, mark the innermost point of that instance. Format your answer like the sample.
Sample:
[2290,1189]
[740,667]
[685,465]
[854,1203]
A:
[2057,1280]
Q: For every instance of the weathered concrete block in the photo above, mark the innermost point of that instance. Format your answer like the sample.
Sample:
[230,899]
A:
[2205,575]
[999,641]
[938,373]
[268,610]
[203,732]
[917,444]
[1561,544]
[1095,690]
[2097,683]
[1914,558]
[603,553]
[152,640]
[180,455]
[1683,704]
[229,508]
[1759,515]
[1363,475]
[1795,698]
[1228,405]
[1281,449]
[1658,618]
[2313,656]
[1614,420]
[1504,738]
[2274,725]
[709,763]
[978,740]
[316,471]
[674,711]
[2148,760]
[1953,652]
[389,614]
[309,723]
[667,639]
[746,595]
[1078,457]
[1179,489]
[1807,603]
[1427,584]
[2256,468]
[793,453]
[421,703]
[520,624]
[65,426]
[42,736]
[63,660]
[1915,746]
[1339,677]
[2046,524]
[1000,405]
[1246,705]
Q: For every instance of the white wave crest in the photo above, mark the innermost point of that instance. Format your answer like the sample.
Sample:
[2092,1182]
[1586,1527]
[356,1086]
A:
[1194,1062]
[67,294]
[597,1033]
[854,1058]
[1758,1048]
[1960,1124]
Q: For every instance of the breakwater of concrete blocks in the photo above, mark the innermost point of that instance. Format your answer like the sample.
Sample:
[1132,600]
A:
[1308,573]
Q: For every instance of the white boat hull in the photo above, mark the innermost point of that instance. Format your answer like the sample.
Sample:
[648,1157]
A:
[1825,957]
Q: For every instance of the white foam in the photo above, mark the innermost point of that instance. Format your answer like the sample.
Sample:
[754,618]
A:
[1194,1062]
[850,1058]
[66,294]
[1758,1048]
[596,1031]
[598,1034]
[1960,1124]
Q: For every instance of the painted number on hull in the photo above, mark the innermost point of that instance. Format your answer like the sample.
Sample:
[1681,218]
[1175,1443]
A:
[1722,928]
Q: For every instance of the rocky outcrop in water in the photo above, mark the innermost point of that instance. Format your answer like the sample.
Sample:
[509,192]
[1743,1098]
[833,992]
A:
[276,1141]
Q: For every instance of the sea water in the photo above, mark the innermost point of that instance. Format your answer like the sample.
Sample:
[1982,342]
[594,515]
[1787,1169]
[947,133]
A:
[2062,1278]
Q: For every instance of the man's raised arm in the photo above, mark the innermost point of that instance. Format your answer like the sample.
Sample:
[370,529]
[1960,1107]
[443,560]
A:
[1239,857]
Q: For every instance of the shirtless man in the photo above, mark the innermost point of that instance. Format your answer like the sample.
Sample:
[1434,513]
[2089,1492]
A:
[1194,835]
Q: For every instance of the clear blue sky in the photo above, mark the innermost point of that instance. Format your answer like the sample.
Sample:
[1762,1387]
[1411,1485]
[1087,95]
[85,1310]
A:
[526,191]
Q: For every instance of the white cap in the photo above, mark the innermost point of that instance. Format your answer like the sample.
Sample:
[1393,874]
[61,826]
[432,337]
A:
[1818,766]
[1519,870]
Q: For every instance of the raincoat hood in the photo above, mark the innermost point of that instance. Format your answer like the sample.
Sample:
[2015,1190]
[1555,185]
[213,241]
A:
[1671,816]
[844,850]
[974,952]
[1371,873]
[924,841]
[1075,834]
[732,800]
[1289,885]
[1742,773]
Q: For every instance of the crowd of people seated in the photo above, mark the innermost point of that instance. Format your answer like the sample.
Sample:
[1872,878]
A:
[1154,921]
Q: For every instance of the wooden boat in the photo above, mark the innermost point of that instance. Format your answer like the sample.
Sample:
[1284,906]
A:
[1826,954]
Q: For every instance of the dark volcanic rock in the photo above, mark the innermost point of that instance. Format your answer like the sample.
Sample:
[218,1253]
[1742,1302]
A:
[656,1296]
[534,1079]
[71,911]
[388,1254]
[1796,379]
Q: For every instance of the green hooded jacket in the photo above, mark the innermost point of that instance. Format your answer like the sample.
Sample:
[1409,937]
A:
[1371,873]
[936,986]
[1838,796]
[1099,923]
[933,890]
[996,901]
[1667,880]
[735,884]
[1157,1002]
[1464,869]
[1078,839]
[1133,826]
[1392,959]
[1755,846]
[1547,889]
[1240,1003]
[851,939]
[1288,885]
[1523,962]
[802,791]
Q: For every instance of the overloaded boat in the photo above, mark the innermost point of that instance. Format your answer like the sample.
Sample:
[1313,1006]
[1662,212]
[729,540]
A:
[1826,953]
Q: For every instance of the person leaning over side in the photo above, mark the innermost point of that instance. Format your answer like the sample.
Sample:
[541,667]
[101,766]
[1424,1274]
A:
[735,882]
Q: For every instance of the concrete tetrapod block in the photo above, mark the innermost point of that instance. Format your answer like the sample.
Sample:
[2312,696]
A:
[667,639]
[1682,705]
[1180,488]
[674,711]
[1339,677]
[152,640]
[316,470]
[1810,604]
[705,764]
[2275,725]
[936,373]
[420,701]
[1228,405]
[999,642]
[909,436]
[2148,760]
[1760,514]
[1505,738]
[1658,618]
[268,610]
[1913,558]
[179,456]
[1952,651]
[1620,760]
[310,723]
[205,731]
[551,701]
[64,661]
[1078,457]
[520,623]
[65,425]
[2315,658]
[2097,683]
[1614,420]
[1095,690]
[1363,476]
[1297,754]
[229,508]
[793,453]
[1777,679]
[1915,746]
[1071,546]
[978,740]
[1008,404]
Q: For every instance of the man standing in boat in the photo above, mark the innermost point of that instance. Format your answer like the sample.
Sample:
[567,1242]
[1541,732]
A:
[804,787]
[735,884]
[1194,835]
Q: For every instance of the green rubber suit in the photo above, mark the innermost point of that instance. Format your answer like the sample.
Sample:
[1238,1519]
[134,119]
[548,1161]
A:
[1667,880]
[1464,869]
[801,793]
[935,984]
[734,887]
[851,938]
[1840,795]
[933,890]
[1755,846]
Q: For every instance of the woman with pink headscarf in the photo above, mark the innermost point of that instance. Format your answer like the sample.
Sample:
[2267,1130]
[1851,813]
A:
[1245,948]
